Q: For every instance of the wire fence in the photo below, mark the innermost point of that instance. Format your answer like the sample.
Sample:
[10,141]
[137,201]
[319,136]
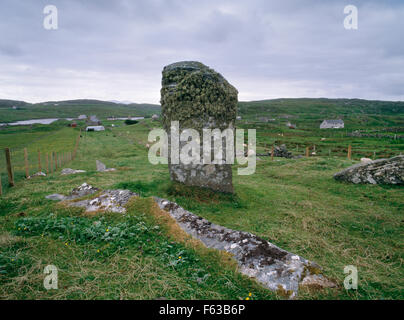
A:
[20,164]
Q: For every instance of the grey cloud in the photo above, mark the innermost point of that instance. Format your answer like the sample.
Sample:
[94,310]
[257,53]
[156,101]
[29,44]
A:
[116,49]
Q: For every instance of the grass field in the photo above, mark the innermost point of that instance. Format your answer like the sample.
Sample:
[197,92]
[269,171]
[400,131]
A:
[296,204]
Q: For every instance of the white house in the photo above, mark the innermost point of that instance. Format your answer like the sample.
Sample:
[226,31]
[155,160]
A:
[95,128]
[332,124]
[82,117]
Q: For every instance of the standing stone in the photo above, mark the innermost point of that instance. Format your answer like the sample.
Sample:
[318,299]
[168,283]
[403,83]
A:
[199,98]
[100,165]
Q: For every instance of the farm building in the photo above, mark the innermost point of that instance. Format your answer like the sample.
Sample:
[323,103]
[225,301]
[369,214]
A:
[332,124]
[95,128]
[82,117]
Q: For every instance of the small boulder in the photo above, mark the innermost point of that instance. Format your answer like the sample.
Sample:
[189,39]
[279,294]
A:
[102,167]
[366,160]
[381,171]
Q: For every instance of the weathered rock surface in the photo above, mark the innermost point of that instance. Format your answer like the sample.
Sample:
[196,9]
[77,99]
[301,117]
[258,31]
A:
[67,171]
[79,192]
[381,171]
[38,174]
[55,197]
[275,268]
[102,167]
[198,98]
[108,200]
[366,160]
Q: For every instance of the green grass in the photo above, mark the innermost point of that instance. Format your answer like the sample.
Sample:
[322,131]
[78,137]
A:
[295,204]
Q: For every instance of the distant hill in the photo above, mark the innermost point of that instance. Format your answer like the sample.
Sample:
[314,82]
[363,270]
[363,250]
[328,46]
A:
[305,112]
[11,103]
[310,112]
[72,109]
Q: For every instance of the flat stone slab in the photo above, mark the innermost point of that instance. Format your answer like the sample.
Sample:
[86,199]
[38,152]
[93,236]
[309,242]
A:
[273,267]
[67,171]
[79,192]
[109,200]
[38,174]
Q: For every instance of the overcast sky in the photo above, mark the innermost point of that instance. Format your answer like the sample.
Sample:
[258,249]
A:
[116,50]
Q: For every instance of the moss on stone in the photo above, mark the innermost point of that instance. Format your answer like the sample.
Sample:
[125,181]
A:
[194,94]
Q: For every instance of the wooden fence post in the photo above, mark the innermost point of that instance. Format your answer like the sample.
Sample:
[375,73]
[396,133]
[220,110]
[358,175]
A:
[307,151]
[349,152]
[51,162]
[26,163]
[272,153]
[55,156]
[47,164]
[9,168]
[39,161]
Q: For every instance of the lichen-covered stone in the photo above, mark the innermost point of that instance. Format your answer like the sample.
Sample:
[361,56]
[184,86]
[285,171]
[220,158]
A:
[198,97]
[381,171]
[108,200]
[275,268]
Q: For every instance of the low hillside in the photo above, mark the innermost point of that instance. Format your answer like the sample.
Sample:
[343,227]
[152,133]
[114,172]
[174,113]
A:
[74,108]
[309,113]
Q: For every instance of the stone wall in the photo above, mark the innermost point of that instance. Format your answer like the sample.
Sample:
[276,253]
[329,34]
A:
[198,97]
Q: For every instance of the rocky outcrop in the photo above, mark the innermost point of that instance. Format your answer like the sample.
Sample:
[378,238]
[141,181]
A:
[382,171]
[108,200]
[79,192]
[275,268]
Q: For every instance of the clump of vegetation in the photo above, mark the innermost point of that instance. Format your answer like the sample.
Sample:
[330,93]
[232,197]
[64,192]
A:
[129,122]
